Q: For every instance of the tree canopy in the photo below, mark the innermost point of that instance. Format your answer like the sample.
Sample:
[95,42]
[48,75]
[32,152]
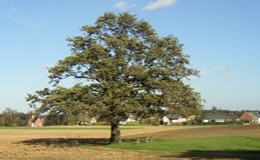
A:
[126,68]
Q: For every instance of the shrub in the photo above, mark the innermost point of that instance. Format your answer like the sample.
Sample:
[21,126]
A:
[155,123]
[134,123]
[101,124]
[189,123]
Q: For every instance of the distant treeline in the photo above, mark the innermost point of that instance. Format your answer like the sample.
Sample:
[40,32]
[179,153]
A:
[215,110]
[10,117]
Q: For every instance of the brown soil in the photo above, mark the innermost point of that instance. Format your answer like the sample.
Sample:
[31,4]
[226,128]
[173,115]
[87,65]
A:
[19,144]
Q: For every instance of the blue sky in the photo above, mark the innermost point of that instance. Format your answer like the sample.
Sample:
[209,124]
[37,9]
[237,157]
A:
[221,36]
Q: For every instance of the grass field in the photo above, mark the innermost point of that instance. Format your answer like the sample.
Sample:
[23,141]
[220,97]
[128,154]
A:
[214,147]
[170,142]
[178,145]
[229,142]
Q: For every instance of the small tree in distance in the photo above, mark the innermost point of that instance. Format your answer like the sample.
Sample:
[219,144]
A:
[126,68]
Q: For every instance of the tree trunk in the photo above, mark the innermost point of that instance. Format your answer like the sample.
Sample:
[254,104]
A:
[115,136]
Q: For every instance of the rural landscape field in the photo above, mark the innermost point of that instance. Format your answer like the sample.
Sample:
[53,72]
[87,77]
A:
[130,80]
[169,142]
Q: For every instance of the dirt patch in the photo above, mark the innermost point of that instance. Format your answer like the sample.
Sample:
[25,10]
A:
[65,144]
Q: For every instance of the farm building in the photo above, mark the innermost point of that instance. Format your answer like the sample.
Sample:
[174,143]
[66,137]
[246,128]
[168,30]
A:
[173,119]
[35,121]
[251,117]
[219,118]
[191,118]
[130,118]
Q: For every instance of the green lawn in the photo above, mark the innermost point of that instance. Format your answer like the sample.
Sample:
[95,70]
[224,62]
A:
[182,145]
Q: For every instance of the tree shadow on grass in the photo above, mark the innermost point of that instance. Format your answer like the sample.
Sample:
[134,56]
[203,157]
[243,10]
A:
[67,142]
[226,154]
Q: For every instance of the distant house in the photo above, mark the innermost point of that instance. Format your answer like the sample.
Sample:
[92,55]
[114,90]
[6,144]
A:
[130,118]
[191,118]
[251,117]
[35,121]
[219,118]
[93,120]
[173,119]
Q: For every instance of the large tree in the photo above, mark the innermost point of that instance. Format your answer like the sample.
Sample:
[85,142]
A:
[127,68]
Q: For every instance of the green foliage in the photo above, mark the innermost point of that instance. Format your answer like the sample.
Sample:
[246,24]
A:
[192,123]
[72,120]
[54,118]
[134,123]
[225,123]
[155,123]
[101,124]
[220,111]
[126,68]
[189,123]
[10,117]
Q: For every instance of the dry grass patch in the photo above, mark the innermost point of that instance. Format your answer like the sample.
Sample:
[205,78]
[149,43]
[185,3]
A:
[64,144]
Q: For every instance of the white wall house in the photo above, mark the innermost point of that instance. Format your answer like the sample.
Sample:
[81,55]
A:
[173,119]
[219,118]
[130,118]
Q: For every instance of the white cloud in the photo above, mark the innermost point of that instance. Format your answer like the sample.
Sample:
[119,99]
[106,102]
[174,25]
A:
[229,77]
[222,68]
[47,65]
[17,15]
[122,5]
[217,71]
[206,73]
[159,4]
[21,17]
